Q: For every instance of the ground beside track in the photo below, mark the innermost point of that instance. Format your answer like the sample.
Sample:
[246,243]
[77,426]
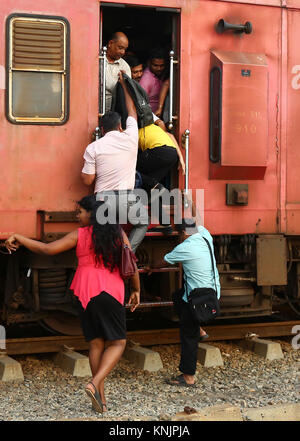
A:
[246,380]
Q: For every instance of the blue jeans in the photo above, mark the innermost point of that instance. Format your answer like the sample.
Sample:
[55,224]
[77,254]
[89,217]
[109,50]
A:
[125,206]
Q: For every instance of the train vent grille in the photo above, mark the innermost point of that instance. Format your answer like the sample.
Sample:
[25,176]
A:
[38,45]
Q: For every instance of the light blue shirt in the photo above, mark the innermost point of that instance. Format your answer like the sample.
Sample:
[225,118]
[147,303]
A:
[194,255]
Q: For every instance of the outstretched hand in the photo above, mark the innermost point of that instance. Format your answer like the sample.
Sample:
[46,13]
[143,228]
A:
[12,244]
[134,300]
[121,78]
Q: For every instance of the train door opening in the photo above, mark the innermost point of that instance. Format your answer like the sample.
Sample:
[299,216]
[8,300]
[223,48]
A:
[148,28]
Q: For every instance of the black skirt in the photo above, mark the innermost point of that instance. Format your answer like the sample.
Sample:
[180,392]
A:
[104,317]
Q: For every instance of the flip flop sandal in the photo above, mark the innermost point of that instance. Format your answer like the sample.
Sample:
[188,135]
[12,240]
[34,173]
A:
[95,397]
[179,381]
[203,337]
[104,405]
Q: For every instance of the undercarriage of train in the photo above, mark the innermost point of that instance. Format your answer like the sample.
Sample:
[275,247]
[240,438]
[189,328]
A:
[258,274]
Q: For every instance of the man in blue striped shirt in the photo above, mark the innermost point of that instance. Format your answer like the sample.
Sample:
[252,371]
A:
[196,261]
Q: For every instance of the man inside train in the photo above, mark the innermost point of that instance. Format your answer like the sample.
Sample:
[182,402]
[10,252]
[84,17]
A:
[153,77]
[137,70]
[136,67]
[116,48]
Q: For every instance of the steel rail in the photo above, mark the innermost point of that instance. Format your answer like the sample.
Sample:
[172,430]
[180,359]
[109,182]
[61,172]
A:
[18,346]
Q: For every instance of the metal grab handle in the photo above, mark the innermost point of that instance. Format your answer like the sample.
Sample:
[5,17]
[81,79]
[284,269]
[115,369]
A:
[103,69]
[171,116]
[186,136]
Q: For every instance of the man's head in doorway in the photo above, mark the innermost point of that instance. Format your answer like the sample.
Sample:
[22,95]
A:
[157,62]
[117,46]
[136,67]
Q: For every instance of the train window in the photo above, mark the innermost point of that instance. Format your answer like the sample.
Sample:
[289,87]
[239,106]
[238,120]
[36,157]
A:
[215,115]
[38,69]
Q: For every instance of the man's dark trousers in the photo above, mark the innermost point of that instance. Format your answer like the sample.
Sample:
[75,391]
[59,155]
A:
[189,334]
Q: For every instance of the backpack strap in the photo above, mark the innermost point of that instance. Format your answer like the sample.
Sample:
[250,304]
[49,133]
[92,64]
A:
[212,261]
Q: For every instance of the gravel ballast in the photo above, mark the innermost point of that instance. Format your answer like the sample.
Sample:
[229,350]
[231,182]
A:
[246,380]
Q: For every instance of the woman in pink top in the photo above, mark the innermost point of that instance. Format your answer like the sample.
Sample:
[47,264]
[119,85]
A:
[99,288]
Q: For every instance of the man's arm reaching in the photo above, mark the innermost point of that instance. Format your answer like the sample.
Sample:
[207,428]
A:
[129,101]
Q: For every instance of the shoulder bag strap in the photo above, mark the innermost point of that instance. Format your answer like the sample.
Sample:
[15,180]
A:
[212,260]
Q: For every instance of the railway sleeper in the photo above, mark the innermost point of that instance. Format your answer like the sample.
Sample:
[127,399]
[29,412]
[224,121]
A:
[77,364]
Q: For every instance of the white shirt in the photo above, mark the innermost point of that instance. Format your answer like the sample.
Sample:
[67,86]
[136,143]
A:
[112,70]
[112,158]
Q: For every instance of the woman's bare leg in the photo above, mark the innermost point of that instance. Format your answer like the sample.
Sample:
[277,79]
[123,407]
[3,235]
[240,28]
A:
[95,355]
[109,358]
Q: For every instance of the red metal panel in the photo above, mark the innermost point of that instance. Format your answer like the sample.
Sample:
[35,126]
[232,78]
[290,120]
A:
[293,129]
[260,215]
[244,115]
[41,164]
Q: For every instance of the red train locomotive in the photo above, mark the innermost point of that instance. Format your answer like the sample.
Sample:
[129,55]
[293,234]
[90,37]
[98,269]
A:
[234,100]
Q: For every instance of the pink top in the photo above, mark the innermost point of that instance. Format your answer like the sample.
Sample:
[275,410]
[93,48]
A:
[152,85]
[89,279]
[112,158]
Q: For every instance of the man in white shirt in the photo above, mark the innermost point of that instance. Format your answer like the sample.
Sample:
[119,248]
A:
[116,49]
[110,162]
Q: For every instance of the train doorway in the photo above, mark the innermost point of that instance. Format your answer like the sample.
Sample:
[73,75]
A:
[146,28]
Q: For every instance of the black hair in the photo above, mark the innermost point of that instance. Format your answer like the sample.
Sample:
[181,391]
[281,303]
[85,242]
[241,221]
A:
[181,227]
[107,239]
[157,52]
[110,121]
[132,60]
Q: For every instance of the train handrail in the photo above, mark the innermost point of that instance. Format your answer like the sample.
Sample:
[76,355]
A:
[171,88]
[186,147]
[103,69]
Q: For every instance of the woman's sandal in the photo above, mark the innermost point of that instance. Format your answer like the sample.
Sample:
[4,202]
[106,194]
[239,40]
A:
[95,397]
[104,406]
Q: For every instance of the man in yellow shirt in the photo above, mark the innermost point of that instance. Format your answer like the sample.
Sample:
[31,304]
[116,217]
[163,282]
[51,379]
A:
[158,153]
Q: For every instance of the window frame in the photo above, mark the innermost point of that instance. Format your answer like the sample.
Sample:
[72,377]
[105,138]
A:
[65,72]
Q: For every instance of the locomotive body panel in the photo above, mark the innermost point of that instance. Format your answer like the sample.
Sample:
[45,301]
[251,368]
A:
[42,163]
[251,192]
[291,155]
[260,215]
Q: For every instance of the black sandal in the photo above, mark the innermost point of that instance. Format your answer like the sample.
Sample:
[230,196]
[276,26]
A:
[95,397]
[203,337]
[179,381]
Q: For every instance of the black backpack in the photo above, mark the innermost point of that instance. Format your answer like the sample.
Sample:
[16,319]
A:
[204,302]
[140,99]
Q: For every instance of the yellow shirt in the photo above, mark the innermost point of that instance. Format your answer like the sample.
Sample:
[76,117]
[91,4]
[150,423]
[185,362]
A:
[153,136]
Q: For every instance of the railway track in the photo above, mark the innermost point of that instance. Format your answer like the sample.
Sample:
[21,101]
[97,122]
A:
[152,337]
